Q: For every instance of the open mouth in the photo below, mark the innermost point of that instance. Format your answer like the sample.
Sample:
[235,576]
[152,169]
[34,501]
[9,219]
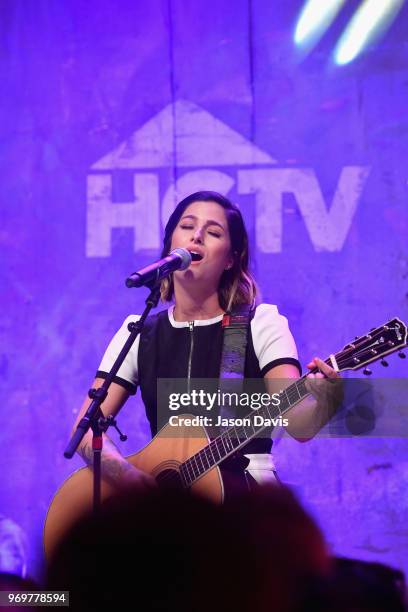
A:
[196,256]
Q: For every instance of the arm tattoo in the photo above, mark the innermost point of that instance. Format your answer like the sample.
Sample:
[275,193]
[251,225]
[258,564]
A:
[113,466]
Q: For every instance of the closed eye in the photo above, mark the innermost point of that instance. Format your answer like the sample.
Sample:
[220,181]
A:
[211,232]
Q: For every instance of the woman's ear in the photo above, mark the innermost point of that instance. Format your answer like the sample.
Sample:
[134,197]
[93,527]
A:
[230,263]
[231,260]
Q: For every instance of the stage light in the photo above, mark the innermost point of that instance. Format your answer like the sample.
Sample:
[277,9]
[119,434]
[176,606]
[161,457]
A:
[370,20]
[314,20]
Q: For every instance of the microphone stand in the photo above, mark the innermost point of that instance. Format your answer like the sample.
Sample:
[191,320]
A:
[93,418]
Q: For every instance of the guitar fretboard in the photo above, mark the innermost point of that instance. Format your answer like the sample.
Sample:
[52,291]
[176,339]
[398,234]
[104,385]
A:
[234,438]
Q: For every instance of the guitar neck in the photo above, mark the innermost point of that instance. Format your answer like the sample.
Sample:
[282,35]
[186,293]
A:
[380,341]
[236,437]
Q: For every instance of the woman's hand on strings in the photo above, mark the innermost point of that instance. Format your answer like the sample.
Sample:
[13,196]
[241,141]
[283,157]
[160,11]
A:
[325,385]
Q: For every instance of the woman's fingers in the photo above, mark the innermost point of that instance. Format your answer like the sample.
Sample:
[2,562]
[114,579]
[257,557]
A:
[324,369]
[329,392]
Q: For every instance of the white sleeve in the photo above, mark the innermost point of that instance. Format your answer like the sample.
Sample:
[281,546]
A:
[273,342]
[127,373]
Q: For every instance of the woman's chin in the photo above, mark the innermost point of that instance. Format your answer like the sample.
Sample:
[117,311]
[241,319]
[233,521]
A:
[193,275]
[190,274]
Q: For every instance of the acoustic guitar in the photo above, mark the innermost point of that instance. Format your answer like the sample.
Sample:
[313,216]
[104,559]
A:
[190,459]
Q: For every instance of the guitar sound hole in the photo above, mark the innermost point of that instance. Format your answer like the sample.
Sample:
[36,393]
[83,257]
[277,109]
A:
[169,479]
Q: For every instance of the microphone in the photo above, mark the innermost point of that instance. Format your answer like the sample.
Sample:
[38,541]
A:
[178,259]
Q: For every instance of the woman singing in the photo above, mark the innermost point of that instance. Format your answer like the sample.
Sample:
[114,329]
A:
[186,341]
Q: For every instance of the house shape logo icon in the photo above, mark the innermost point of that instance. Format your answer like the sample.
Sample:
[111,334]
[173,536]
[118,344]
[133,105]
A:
[185,135]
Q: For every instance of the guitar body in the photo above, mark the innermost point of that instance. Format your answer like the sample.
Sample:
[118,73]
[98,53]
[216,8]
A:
[166,452]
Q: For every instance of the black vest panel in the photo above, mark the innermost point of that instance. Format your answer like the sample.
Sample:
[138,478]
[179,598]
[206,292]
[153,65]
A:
[164,353]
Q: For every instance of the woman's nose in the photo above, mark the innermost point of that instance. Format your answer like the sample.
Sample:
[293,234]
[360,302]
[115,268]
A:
[198,236]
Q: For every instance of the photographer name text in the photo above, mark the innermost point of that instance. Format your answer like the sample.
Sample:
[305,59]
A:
[255,420]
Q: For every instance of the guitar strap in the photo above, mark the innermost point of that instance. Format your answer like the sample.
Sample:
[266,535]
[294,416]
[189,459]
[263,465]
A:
[236,326]
[235,340]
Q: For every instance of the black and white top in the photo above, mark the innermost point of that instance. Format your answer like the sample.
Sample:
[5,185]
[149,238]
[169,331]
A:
[163,350]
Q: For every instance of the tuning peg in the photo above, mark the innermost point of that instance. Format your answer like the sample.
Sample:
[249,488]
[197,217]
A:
[402,355]
[367,372]
[384,363]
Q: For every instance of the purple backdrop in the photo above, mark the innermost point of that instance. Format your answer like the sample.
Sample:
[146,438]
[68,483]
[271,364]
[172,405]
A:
[110,112]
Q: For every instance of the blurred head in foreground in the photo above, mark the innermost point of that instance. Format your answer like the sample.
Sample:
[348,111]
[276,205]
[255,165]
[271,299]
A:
[173,551]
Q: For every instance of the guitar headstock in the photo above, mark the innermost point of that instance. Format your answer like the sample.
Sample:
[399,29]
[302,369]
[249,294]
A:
[380,341]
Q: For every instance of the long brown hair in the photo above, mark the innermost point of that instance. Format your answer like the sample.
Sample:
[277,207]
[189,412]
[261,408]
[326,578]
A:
[237,285]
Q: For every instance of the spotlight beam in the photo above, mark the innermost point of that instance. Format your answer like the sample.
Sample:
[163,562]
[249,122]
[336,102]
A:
[370,20]
[315,18]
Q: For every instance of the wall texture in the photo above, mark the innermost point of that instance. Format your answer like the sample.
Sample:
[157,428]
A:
[110,112]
